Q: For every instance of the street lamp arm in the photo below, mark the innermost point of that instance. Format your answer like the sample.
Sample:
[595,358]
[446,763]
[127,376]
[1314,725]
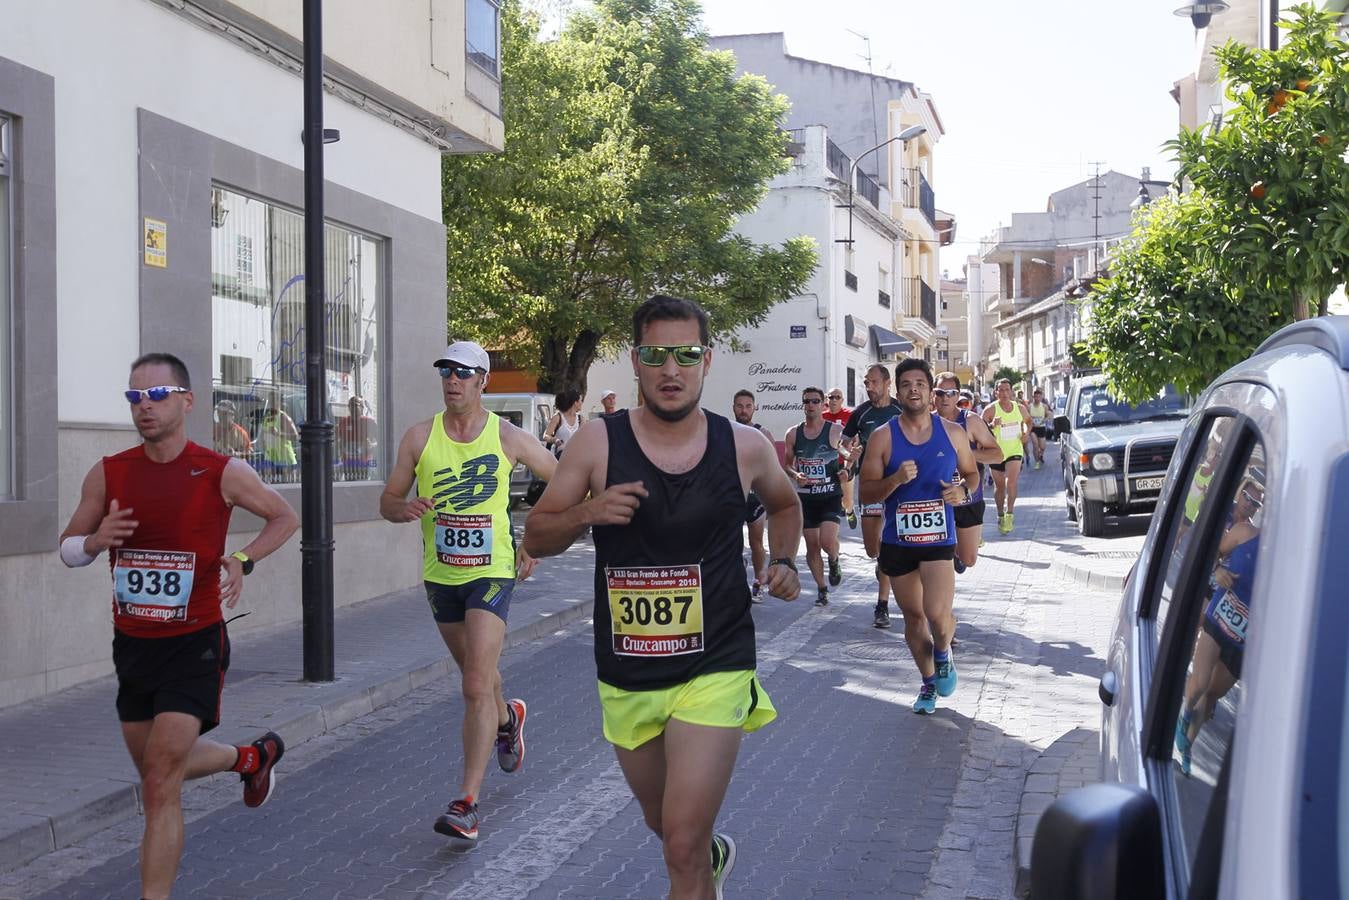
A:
[904,136]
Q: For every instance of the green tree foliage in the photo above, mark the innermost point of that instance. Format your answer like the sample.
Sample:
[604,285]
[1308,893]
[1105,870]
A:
[630,152]
[1011,374]
[1259,239]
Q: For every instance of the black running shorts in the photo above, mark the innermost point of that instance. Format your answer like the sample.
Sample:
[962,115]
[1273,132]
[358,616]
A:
[815,511]
[896,560]
[451,602]
[183,674]
[1002,466]
[970,515]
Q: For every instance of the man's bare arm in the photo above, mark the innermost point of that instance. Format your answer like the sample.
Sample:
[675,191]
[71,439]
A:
[988,450]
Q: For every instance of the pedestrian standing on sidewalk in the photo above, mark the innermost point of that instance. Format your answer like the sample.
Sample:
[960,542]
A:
[744,406]
[835,411]
[811,458]
[162,510]
[460,461]
[674,638]
[1009,422]
[879,408]
[907,466]
[969,516]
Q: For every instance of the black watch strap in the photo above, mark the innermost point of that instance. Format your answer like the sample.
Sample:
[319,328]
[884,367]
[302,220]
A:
[783,561]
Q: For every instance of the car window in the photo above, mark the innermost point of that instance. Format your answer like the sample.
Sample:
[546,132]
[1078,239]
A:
[1195,498]
[1095,406]
[1212,690]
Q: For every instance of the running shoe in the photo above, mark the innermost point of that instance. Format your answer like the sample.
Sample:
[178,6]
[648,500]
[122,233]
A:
[459,821]
[1038,463]
[756,593]
[511,740]
[946,676]
[1004,524]
[822,599]
[1183,742]
[258,784]
[852,519]
[882,618]
[835,571]
[723,860]
[926,704]
[960,565]
[1011,522]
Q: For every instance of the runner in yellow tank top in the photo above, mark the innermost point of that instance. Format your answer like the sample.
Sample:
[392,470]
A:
[1009,422]
[1039,422]
[460,461]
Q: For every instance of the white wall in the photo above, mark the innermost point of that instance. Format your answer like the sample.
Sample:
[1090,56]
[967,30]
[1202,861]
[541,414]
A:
[109,57]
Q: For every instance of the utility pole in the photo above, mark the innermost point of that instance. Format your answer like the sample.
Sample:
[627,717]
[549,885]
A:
[1096,211]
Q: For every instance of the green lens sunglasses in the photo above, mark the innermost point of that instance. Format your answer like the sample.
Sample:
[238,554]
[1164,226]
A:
[655,354]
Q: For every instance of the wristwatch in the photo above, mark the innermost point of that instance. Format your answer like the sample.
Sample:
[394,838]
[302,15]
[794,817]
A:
[243,558]
[783,561]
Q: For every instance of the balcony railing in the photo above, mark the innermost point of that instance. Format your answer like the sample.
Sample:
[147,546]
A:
[918,194]
[837,160]
[868,188]
[929,304]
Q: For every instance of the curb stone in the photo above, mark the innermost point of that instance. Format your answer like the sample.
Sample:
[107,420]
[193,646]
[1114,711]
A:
[1069,763]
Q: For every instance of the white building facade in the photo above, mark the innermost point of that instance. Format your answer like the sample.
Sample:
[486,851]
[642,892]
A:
[150,188]
[829,334]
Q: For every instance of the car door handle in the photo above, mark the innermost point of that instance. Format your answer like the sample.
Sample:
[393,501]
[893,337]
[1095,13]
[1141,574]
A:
[1108,687]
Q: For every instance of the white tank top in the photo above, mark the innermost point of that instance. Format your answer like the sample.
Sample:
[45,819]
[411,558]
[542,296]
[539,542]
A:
[565,430]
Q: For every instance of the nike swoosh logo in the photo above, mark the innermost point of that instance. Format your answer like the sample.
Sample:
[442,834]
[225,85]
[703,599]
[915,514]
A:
[196,472]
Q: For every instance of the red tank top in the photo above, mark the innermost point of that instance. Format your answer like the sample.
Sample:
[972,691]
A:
[841,417]
[166,576]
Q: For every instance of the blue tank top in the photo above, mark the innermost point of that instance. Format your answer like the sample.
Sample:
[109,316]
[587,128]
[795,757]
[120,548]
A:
[915,514]
[979,491]
[1230,610]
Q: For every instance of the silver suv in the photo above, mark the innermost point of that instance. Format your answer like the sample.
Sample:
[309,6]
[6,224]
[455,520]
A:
[1225,733]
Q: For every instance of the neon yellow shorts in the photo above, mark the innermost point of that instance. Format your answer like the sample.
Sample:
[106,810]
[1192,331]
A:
[719,699]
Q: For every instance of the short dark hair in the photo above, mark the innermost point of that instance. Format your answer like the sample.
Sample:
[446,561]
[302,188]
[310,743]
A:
[664,308]
[566,399]
[165,359]
[948,376]
[1001,381]
[742,393]
[877,367]
[914,365]
[811,390]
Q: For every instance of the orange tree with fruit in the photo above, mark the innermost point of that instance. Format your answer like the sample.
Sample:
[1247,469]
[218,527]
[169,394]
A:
[1260,236]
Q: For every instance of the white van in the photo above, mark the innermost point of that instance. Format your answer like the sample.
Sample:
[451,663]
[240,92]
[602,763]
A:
[528,411]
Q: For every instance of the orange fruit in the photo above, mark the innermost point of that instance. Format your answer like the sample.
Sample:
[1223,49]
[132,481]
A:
[1258,190]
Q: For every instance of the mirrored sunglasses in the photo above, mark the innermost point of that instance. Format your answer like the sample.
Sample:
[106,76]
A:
[946,392]
[156,394]
[656,354]
[463,373]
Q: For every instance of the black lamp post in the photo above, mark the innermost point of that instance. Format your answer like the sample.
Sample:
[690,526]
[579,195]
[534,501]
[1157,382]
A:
[1202,12]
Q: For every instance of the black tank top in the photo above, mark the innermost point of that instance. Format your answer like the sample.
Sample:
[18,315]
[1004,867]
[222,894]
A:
[671,601]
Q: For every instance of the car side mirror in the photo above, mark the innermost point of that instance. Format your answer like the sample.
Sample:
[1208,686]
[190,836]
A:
[1103,842]
[1061,424]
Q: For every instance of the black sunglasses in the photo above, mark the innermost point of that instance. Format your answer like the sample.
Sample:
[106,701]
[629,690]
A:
[463,373]
[155,393]
[811,400]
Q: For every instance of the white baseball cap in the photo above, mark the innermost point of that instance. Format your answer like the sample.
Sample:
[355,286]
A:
[608,394]
[465,353]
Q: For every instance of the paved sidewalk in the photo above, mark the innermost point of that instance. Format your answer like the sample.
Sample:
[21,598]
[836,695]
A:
[67,774]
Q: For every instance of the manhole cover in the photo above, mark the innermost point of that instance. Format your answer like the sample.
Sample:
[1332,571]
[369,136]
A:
[876,651]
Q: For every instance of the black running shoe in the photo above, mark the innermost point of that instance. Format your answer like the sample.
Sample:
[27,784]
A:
[822,599]
[882,617]
[835,571]
[960,565]
[723,860]
[258,785]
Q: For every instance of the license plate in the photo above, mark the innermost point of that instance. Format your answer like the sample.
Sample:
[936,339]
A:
[1148,484]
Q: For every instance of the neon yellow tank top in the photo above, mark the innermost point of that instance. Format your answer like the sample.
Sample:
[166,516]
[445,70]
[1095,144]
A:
[1006,428]
[469,535]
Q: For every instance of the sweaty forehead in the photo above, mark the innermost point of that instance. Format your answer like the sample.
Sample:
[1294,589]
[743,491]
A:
[673,332]
[151,375]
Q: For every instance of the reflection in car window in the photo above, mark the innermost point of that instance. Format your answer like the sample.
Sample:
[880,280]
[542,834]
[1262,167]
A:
[1213,687]
[1195,497]
[1096,407]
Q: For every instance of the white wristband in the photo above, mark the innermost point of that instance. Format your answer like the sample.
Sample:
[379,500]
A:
[73,553]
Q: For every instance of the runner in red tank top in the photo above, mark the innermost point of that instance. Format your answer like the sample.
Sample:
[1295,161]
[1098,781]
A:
[162,509]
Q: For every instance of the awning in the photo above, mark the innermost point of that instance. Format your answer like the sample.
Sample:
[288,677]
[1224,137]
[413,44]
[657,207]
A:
[889,342]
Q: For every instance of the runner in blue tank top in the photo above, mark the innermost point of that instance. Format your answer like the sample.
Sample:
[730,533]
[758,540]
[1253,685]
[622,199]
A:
[908,464]
[969,516]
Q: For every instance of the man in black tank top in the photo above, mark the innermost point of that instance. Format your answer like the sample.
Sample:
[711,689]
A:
[674,640]
[880,407]
[744,406]
[810,457]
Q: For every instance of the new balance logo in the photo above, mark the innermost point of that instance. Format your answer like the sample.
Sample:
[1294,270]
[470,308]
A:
[477,481]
